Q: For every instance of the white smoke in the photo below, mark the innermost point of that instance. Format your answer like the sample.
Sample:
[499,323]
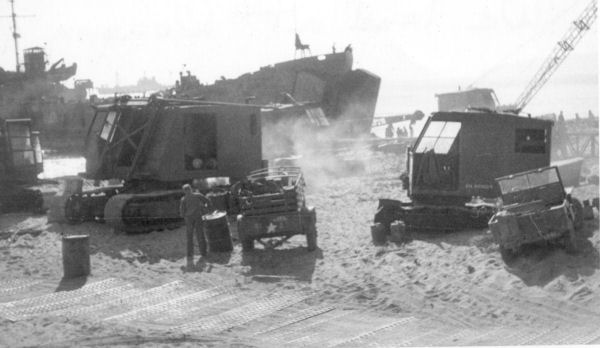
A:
[323,153]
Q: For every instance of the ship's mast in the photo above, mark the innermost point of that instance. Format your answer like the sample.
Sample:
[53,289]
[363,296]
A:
[15,34]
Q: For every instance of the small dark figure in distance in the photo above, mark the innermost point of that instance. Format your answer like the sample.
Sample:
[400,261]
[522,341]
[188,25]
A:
[389,131]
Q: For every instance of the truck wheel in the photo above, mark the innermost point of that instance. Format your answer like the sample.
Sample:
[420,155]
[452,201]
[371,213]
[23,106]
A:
[38,203]
[247,244]
[578,212]
[311,238]
[570,242]
[508,255]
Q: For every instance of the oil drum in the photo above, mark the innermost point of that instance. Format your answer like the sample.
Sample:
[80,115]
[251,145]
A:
[217,232]
[398,232]
[378,234]
[76,256]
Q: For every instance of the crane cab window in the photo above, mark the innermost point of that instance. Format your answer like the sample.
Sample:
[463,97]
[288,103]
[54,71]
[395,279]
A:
[530,140]
[20,143]
[200,142]
[107,130]
[97,123]
[439,137]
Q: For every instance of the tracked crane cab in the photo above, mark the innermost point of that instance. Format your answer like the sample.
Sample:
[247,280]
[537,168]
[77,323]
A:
[453,164]
[154,146]
[170,142]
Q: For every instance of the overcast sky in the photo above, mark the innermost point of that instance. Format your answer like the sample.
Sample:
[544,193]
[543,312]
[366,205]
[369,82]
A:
[419,48]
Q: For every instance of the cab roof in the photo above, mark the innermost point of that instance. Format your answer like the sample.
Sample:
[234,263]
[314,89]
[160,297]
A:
[491,116]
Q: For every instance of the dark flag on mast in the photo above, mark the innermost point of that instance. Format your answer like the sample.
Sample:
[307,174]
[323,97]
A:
[300,46]
[298,42]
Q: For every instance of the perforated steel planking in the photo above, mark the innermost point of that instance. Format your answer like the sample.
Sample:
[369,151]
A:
[302,315]
[61,305]
[13,286]
[182,303]
[370,333]
[241,315]
[58,297]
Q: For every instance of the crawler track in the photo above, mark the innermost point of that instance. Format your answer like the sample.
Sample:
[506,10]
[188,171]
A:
[145,212]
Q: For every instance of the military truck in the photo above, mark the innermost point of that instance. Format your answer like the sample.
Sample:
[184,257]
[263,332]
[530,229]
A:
[20,163]
[153,146]
[535,208]
[453,163]
[273,208]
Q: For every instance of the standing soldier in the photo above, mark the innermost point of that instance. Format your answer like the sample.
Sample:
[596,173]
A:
[389,131]
[193,205]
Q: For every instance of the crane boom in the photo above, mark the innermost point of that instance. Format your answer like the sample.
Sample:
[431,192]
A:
[15,34]
[559,54]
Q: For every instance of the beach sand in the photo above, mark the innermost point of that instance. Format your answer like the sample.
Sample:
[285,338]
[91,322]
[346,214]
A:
[451,280]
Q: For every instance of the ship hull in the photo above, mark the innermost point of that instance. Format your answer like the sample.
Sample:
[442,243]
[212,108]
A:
[347,97]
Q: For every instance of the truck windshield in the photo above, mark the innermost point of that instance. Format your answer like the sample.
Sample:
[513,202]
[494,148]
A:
[439,137]
[528,180]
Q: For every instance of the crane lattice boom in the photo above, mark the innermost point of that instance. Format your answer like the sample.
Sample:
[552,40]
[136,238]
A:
[559,54]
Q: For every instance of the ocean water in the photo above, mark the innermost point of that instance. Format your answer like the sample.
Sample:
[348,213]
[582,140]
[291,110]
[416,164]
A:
[570,96]
[55,167]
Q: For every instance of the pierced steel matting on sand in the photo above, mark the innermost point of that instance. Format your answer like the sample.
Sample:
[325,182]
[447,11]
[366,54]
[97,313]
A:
[368,335]
[135,300]
[48,303]
[13,286]
[241,315]
[295,318]
[58,304]
[303,328]
[176,306]
[286,319]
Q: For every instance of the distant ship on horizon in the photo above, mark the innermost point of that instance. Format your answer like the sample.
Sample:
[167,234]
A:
[143,85]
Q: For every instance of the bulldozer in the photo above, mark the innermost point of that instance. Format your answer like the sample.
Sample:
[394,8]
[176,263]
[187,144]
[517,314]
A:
[153,146]
[21,161]
[453,164]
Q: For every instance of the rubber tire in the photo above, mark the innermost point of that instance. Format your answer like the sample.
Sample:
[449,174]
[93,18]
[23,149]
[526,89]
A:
[578,212]
[311,239]
[508,255]
[247,244]
[38,203]
[569,241]
[570,244]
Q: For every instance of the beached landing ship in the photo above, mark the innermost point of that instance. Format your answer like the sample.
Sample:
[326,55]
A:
[335,94]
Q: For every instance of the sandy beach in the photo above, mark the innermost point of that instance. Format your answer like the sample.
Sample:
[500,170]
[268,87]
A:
[438,289]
